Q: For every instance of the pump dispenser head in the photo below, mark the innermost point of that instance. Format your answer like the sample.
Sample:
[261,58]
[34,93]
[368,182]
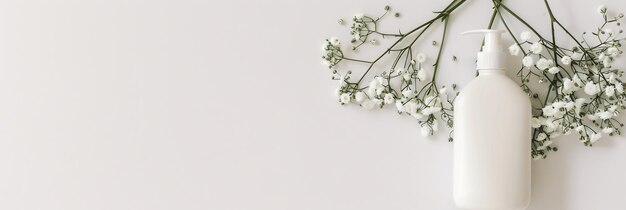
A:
[492,55]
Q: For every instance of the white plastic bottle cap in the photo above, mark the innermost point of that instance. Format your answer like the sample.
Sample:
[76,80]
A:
[492,55]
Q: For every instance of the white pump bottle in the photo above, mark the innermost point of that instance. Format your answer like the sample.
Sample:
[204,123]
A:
[492,130]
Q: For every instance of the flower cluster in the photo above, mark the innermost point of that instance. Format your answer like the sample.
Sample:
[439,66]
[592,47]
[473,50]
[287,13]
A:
[421,99]
[585,93]
[414,95]
[407,85]
[332,52]
[363,26]
[360,28]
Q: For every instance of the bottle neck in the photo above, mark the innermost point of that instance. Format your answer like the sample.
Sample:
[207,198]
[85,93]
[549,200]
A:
[491,60]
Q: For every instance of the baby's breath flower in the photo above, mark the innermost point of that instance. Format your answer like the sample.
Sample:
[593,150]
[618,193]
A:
[525,36]
[528,61]
[609,91]
[411,107]
[608,130]
[595,137]
[558,104]
[611,77]
[407,76]
[344,98]
[568,86]
[359,16]
[400,106]
[431,110]
[592,88]
[543,64]
[334,41]
[408,93]
[569,105]
[541,136]
[601,57]
[342,81]
[605,115]
[612,51]
[554,70]
[376,87]
[549,125]
[580,129]
[443,90]
[378,102]
[545,145]
[514,50]
[421,75]
[566,60]
[389,98]
[359,97]
[549,111]
[536,48]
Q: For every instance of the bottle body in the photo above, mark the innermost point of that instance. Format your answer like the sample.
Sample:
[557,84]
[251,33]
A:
[492,144]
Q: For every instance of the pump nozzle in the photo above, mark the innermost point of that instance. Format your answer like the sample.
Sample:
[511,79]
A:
[492,55]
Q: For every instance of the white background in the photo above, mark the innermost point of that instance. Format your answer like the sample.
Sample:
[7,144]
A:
[224,105]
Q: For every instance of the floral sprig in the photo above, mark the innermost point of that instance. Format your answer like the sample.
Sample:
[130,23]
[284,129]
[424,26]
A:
[408,83]
[584,92]
[363,26]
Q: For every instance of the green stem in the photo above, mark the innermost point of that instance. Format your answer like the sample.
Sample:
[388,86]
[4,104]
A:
[443,39]
[356,60]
